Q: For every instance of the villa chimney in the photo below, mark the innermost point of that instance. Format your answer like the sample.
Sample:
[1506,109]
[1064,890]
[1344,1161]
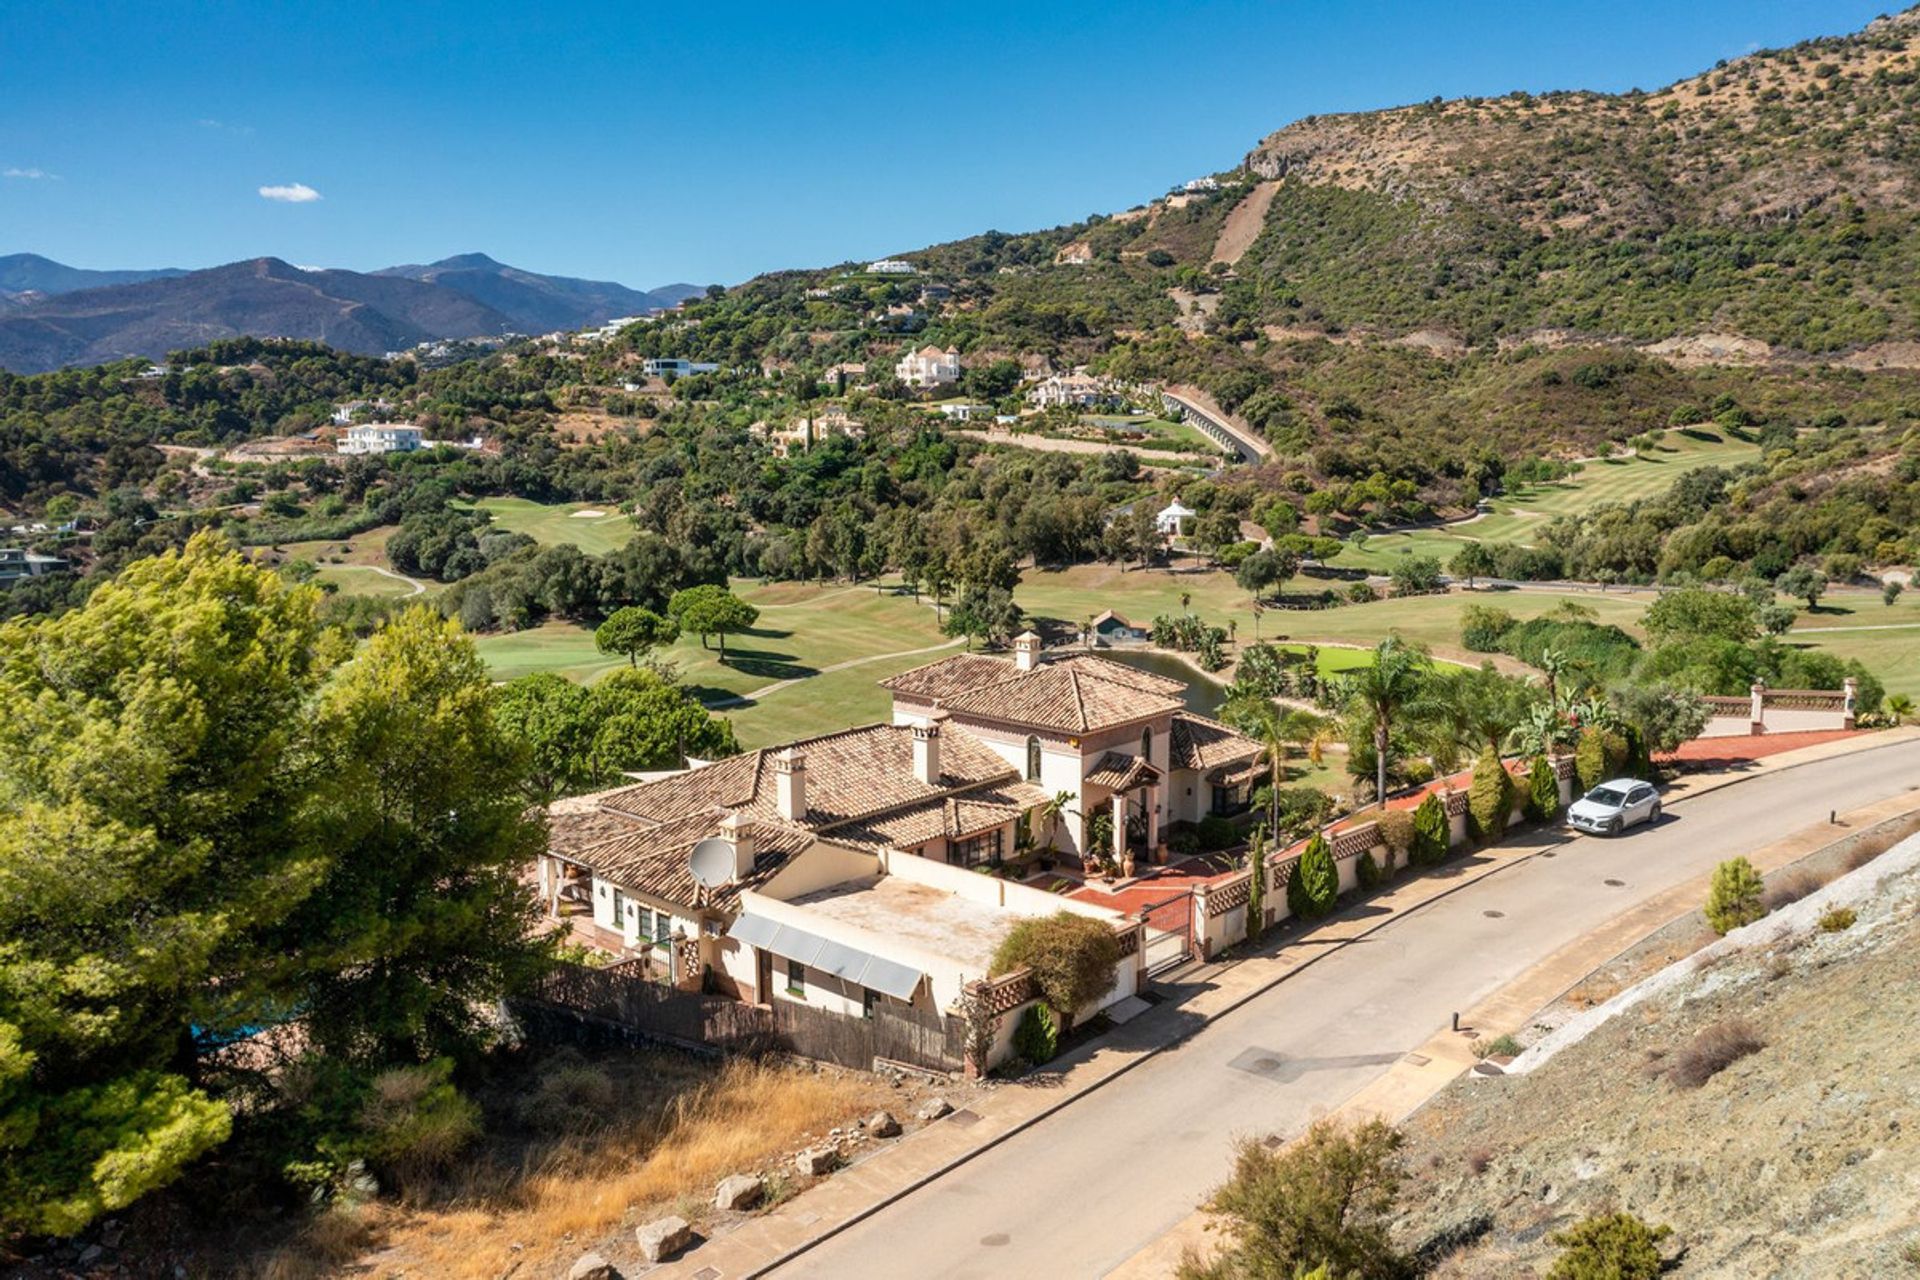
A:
[790,784]
[737,831]
[926,749]
[1026,651]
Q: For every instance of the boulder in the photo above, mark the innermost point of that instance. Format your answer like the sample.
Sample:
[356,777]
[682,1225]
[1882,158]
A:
[934,1108]
[740,1192]
[591,1266]
[815,1161]
[662,1239]
[881,1124]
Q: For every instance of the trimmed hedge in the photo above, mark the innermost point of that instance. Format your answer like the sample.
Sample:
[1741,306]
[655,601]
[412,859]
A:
[1489,798]
[1430,833]
[1315,881]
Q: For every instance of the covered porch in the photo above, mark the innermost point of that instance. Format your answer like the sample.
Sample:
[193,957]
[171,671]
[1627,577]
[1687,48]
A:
[1134,801]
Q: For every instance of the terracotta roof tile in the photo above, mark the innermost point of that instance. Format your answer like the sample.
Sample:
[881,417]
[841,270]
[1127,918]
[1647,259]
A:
[1119,772]
[1199,743]
[1065,697]
[654,858]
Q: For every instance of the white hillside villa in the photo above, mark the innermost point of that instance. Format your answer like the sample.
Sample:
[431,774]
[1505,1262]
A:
[380,437]
[892,267]
[1078,389]
[1172,518]
[842,870]
[929,367]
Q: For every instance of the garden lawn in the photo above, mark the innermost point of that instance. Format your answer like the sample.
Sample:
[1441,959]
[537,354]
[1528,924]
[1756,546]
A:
[1856,624]
[551,524]
[1518,515]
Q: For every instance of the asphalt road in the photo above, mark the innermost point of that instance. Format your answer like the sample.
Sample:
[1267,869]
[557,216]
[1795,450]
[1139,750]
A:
[1083,1190]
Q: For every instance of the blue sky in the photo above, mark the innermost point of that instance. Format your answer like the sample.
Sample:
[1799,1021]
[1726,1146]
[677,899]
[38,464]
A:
[650,143]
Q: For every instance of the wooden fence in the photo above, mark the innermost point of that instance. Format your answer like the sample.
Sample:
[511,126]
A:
[613,1006]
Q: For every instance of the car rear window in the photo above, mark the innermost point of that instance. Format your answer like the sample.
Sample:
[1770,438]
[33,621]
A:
[1607,795]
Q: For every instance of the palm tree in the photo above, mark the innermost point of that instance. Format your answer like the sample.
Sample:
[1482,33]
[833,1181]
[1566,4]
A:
[1058,807]
[1554,665]
[1901,706]
[1395,689]
[1278,729]
[1480,710]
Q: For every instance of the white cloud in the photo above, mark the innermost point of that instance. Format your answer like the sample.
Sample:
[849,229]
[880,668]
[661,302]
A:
[290,193]
[30,175]
[222,126]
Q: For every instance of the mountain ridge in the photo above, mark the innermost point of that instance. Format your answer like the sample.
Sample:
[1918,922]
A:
[366,313]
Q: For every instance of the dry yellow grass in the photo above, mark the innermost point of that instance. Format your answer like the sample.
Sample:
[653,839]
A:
[664,1149]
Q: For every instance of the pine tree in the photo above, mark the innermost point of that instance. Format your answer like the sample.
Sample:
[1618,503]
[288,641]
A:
[1734,897]
[1543,791]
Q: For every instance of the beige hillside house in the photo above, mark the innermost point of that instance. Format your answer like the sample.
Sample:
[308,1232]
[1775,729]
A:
[841,870]
[929,367]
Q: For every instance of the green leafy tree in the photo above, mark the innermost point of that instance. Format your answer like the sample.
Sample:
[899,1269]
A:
[1431,835]
[642,722]
[1315,882]
[1803,582]
[633,631]
[1609,1246]
[1735,896]
[710,610]
[1472,561]
[411,937]
[1072,957]
[1325,1201]
[1489,797]
[1543,791]
[155,760]
[553,720]
[1694,614]
[1664,716]
[1279,730]
[1416,576]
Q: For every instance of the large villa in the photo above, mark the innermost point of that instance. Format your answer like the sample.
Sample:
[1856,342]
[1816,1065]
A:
[852,860]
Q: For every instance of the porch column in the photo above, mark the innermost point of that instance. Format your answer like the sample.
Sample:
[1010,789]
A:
[1153,821]
[1119,826]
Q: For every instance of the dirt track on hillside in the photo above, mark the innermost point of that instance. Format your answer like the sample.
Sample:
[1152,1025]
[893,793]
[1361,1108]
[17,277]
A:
[1244,224]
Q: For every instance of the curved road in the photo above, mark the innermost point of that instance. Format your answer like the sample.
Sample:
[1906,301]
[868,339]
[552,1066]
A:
[1083,1190]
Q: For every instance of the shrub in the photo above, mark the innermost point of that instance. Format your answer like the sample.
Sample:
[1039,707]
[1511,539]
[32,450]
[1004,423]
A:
[1489,797]
[1315,881]
[1415,772]
[1712,1051]
[1430,832]
[1036,1037]
[1482,626]
[1072,957]
[1324,1201]
[1609,1246]
[1363,593]
[1543,791]
[1600,755]
[1368,870]
[1734,898]
[416,1123]
[1501,1047]
[1837,919]
[572,1097]
[1787,888]
[1396,832]
[1257,876]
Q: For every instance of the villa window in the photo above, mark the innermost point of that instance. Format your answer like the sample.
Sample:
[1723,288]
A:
[796,978]
[1033,759]
[1146,744]
[1228,801]
[975,850]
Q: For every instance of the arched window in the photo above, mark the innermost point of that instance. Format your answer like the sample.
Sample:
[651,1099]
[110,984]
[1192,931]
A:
[1033,759]
[1146,744]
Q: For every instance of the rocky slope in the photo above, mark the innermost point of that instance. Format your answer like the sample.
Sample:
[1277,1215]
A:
[1798,1160]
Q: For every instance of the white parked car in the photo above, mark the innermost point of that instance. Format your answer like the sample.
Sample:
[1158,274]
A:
[1612,807]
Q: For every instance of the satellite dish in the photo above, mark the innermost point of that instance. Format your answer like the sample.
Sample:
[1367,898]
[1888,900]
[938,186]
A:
[712,862]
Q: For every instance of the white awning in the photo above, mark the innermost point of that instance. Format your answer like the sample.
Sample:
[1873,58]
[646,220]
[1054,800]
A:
[862,968]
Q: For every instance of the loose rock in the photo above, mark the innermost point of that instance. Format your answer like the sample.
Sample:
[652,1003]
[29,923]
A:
[934,1108]
[661,1240]
[740,1192]
[591,1266]
[816,1161]
[881,1124]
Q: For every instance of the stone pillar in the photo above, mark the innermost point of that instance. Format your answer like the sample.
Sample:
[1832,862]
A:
[1119,825]
[1197,944]
[1852,687]
[1757,715]
[1153,823]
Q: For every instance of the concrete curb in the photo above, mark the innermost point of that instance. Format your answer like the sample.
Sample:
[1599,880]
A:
[1706,785]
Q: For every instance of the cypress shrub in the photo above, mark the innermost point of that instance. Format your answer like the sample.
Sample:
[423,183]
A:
[1543,791]
[1600,755]
[1734,898]
[1315,882]
[1430,833]
[1368,870]
[1489,798]
[1036,1037]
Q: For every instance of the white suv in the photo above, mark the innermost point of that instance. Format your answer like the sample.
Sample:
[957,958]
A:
[1612,807]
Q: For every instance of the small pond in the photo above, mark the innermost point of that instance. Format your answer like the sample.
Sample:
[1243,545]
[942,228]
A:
[1204,694]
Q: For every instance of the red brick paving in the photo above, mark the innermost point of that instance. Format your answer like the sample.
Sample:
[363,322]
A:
[1725,753]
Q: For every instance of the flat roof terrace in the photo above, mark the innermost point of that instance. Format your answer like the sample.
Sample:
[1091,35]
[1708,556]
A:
[929,919]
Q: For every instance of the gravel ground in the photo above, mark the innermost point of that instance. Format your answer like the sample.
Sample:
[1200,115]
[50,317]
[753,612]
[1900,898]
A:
[1800,1160]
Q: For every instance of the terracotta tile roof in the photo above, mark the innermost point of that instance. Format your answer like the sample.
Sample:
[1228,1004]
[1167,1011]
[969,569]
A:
[1199,743]
[955,816]
[1073,693]
[1118,772]
[859,780]
[654,858]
